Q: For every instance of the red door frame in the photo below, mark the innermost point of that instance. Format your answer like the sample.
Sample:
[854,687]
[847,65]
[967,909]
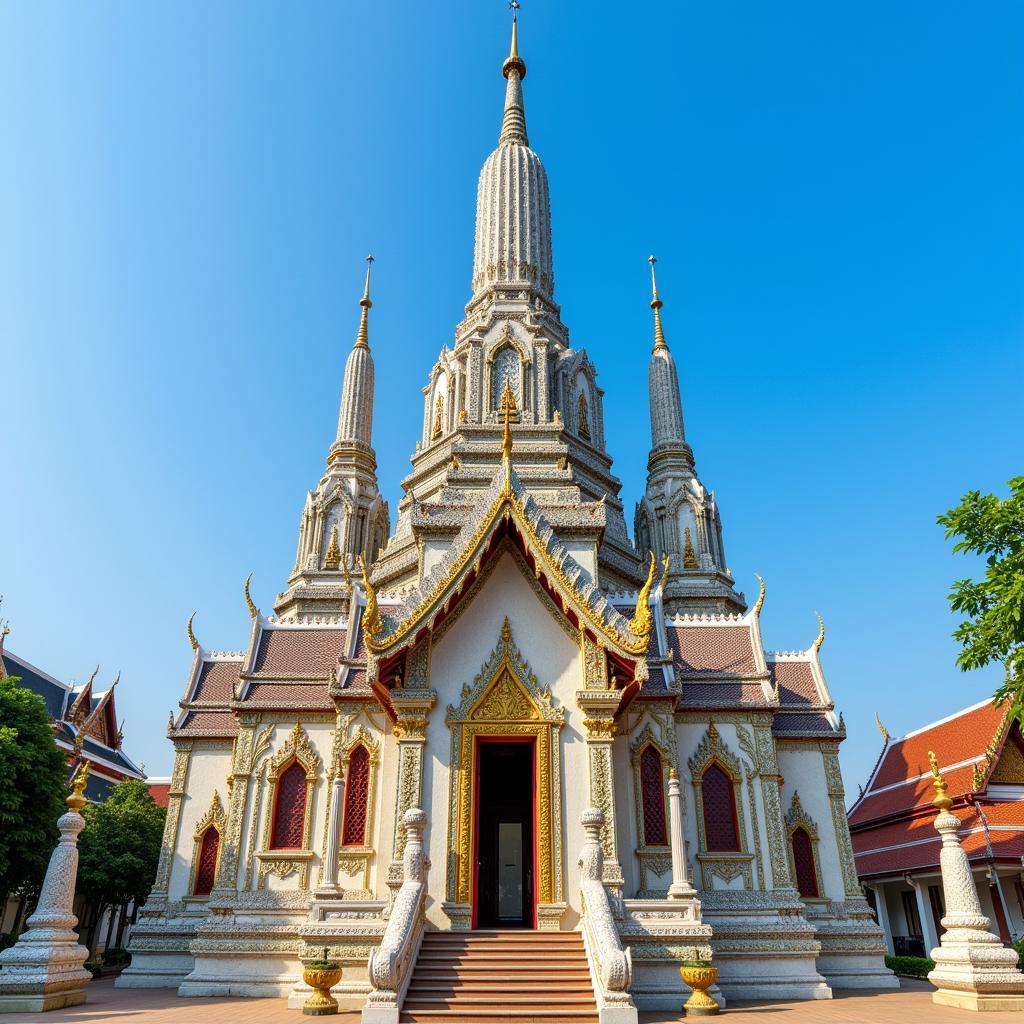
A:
[478,742]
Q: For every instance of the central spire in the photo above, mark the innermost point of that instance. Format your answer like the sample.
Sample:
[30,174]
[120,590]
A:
[513,122]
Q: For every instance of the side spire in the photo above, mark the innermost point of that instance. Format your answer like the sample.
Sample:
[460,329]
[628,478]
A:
[362,338]
[513,121]
[656,304]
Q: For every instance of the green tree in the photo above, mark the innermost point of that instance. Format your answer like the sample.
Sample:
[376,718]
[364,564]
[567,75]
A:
[119,847]
[993,629]
[34,784]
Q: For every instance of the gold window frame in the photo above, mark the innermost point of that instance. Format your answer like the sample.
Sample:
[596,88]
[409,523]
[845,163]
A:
[215,817]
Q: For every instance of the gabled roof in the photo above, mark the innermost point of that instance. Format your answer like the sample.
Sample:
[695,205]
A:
[506,510]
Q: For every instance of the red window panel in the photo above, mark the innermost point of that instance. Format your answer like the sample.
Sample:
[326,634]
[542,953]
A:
[289,809]
[206,869]
[803,861]
[357,797]
[653,796]
[721,829]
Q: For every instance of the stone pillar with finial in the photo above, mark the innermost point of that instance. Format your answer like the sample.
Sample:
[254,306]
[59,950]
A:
[680,888]
[973,969]
[44,969]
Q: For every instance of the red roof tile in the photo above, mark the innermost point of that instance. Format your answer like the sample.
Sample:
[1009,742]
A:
[208,723]
[159,792]
[298,652]
[308,696]
[795,680]
[907,797]
[723,650]
[217,681]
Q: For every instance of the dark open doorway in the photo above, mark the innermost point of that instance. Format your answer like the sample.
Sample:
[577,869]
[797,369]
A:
[505,846]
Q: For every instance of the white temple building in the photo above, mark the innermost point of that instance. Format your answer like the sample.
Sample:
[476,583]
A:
[505,658]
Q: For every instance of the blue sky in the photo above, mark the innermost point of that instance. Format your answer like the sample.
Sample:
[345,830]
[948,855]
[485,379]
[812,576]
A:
[187,192]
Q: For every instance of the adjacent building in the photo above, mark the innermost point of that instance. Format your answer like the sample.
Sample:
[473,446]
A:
[980,753]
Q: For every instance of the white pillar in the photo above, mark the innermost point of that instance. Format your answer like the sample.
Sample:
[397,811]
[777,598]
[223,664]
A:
[924,912]
[973,969]
[43,969]
[680,887]
[882,913]
[330,882]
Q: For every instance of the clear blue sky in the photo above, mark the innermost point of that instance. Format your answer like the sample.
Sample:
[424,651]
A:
[187,192]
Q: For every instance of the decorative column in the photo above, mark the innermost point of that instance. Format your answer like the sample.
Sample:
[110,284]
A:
[44,969]
[681,888]
[973,969]
[242,753]
[771,782]
[598,703]
[329,883]
[924,913]
[840,825]
[882,915]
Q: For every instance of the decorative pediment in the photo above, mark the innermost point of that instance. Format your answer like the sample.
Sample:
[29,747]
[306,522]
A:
[215,816]
[797,817]
[505,689]
[296,747]
[713,748]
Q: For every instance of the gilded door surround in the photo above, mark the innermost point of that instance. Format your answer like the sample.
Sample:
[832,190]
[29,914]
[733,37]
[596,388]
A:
[505,700]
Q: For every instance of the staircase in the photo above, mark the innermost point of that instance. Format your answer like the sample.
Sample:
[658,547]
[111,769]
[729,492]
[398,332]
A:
[485,977]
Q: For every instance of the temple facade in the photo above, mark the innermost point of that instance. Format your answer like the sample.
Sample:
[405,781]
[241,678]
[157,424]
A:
[500,713]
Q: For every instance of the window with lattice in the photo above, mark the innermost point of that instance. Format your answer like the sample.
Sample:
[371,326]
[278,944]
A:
[803,862]
[206,868]
[652,795]
[721,829]
[290,809]
[506,371]
[357,797]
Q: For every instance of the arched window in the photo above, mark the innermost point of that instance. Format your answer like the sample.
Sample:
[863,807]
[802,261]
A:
[289,809]
[506,369]
[721,829]
[206,869]
[652,794]
[357,797]
[803,862]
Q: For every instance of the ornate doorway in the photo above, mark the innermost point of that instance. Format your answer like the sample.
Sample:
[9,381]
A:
[505,703]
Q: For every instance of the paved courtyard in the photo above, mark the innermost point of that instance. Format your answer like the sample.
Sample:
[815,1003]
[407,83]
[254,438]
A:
[910,1005]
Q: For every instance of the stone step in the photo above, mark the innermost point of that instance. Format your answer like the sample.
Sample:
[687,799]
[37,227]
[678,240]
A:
[472,956]
[475,1015]
[489,984]
[419,1001]
[540,948]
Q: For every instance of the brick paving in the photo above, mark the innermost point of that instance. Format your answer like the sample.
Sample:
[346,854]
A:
[910,1005]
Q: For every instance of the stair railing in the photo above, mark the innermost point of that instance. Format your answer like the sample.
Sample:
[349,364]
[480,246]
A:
[390,965]
[611,966]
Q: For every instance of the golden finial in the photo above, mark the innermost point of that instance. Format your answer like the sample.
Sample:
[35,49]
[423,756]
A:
[506,440]
[506,632]
[362,338]
[689,555]
[760,597]
[332,559]
[253,610]
[673,774]
[514,60]
[942,800]
[643,621]
[191,635]
[881,728]
[345,572]
[656,304]
[372,621]
[76,801]
[820,638]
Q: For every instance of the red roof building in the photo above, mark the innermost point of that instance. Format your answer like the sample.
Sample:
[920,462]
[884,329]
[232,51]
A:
[980,752]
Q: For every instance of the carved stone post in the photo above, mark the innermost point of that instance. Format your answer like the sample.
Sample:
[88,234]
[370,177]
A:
[44,969]
[771,782]
[413,706]
[329,885]
[837,800]
[973,969]
[598,707]
[680,887]
[225,886]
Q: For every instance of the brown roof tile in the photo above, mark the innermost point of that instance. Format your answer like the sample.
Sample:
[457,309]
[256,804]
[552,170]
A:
[217,681]
[722,650]
[795,680]
[208,723]
[298,652]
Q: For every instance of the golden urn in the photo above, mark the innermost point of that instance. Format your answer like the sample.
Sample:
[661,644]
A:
[321,976]
[700,977]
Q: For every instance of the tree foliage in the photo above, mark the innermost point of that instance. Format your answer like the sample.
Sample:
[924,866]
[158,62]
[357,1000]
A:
[992,528]
[120,846]
[34,774]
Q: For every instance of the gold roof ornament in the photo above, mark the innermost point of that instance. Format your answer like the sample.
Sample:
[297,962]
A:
[656,304]
[346,573]
[253,610]
[373,623]
[881,728]
[362,337]
[760,597]
[514,60]
[332,557]
[666,565]
[76,801]
[689,555]
[643,621]
[191,635]
[506,440]
[942,800]
[820,638]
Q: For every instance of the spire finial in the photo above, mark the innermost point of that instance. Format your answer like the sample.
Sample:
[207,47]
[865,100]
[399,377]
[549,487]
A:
[656,304]
[514,60]
[363,335]
[513,121]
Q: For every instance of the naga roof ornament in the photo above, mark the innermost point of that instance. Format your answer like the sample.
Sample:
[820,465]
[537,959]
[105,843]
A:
[190,634]
[820,638]
[253,610]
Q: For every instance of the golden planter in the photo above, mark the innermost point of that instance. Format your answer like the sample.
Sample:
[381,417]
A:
[321,980]
[700,977]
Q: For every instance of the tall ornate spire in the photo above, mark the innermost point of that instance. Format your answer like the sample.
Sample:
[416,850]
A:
[355,418]
[513,212]
[667,430]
